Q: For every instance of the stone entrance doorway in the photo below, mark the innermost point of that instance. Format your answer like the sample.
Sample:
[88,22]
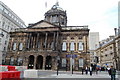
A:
[31,62]
[48,64]
[39,62]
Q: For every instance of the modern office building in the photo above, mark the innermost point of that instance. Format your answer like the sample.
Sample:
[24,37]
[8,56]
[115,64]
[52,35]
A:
[8,22]
[93,45]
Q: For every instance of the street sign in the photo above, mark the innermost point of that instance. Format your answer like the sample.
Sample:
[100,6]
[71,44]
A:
[73,56]
[68,56]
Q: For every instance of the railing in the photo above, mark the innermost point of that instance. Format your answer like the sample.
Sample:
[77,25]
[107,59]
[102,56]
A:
[74,27]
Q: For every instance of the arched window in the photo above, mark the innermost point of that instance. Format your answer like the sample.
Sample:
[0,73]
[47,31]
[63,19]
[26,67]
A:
[64,46]
[20,46]
[72,46]
[12,61]
[14,46]
[80,46]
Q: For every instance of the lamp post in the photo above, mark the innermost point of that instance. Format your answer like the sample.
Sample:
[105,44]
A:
[71,59]
[58,58]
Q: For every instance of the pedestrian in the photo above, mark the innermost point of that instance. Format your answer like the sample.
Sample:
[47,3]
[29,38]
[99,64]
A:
[108,69]
[90,69]
[112,73]
[86,70]
[82,70]
[97,70]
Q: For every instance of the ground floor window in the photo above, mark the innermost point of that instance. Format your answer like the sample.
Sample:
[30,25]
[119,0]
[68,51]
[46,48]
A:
[81,62]
[12,61]
[19,61]
[63,62]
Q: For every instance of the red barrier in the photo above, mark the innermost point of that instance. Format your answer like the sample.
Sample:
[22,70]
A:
[11,68]
[10,74]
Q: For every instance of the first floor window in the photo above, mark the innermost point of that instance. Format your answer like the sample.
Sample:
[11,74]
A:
[20,46]
[64,46]
[52,45]
[72,46]
[80,46]
[14,46]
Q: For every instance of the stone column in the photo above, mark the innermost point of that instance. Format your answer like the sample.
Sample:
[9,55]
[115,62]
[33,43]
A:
[57,41]
[35,60]
[46,36]
[44,60]
[37,40]
[53,63]
[33,42]
[76,46]
[29,39]
[54,41]
[25,61]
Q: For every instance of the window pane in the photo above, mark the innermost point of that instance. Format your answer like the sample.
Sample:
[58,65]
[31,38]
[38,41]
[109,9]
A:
[63,62]
[81,62]
[64,46]
[20,46]
[12,61]
[72,46]
[14,46]
[52,45]
[19,61]
[80,46]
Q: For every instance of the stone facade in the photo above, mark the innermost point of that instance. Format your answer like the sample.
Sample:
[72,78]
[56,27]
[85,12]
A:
[108,52]
[46,45]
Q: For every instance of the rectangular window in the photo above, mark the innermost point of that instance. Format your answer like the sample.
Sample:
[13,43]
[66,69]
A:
[5,42]
[38,44]
[12,61]
[63,62]
[64,46]
[72,46]
[81,62]
[52,45]
[3,24]
[1,7]
[14,46]
[20,46]
[80,46]
[54,18]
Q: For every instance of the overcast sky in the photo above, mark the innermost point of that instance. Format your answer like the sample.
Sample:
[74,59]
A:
[100,15]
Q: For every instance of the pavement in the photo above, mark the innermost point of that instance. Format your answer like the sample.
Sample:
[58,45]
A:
[64,75]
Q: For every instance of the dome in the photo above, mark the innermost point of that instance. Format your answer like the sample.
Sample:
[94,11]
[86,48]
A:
[56,15]
[56,10]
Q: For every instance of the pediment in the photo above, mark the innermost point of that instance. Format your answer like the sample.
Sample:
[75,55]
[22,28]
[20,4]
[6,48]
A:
[42,24]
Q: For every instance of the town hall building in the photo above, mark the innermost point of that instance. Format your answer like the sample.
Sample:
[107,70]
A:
[50,44]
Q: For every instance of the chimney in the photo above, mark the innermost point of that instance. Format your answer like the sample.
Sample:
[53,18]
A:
[115,29]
